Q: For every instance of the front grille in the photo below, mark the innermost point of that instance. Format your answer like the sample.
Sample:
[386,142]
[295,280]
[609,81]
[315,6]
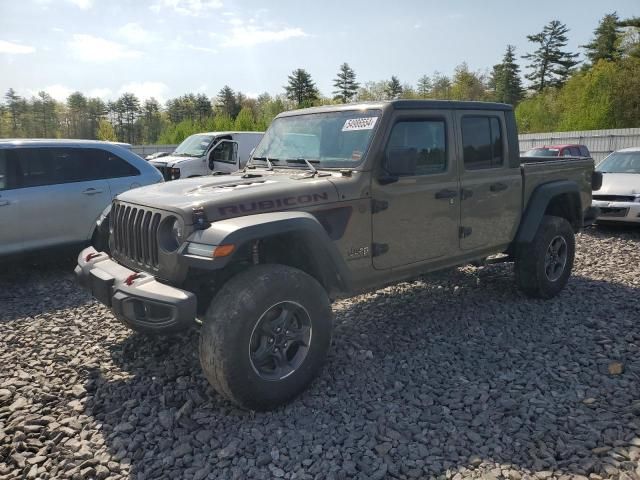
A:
[166,173]
[135,233]
[615,198]
[613,212]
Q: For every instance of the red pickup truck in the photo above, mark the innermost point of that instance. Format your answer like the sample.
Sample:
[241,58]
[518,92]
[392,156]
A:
[569,150]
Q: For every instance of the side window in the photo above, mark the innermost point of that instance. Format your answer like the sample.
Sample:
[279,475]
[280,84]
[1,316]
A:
[35,167]
[584,151]
[482,142]
[420,146]
[575,152]
[7,170]
[72,165]
[109,165]
[223,152]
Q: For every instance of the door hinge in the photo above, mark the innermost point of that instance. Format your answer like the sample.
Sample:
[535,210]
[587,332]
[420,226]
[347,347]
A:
[378,205]
[378,249]
[464,232]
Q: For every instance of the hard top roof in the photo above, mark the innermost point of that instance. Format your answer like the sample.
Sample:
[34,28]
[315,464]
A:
[404,105]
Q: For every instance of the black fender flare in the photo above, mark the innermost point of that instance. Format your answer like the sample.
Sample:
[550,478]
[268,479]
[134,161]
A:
[538,203]
[241,230]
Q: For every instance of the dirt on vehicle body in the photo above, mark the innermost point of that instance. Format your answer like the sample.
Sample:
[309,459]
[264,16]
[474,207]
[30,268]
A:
[335,200]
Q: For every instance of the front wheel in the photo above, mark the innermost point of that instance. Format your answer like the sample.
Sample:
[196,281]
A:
[265,336]
[542,267]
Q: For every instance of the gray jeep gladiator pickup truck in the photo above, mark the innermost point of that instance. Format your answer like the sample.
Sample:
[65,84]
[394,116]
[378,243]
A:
[335,200]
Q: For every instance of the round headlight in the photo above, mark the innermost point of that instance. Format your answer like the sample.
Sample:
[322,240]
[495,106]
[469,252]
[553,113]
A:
[176,231]
[170,234]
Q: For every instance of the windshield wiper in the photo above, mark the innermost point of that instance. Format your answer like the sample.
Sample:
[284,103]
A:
[269,161]
[309,164]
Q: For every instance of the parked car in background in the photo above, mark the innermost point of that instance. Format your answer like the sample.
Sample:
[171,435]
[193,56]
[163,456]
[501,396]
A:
[619,196]
[53,192]
[155,155]
[204,153]
[570,150]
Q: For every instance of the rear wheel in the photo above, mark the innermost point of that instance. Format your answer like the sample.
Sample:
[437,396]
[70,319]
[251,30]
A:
[265,336]
[543,267]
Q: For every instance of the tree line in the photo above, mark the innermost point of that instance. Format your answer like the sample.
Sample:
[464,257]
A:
[561,94]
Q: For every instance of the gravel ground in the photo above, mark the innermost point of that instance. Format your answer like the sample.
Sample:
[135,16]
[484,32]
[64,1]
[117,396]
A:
[455,375]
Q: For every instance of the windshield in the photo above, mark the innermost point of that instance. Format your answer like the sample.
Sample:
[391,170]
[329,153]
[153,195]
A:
[620,162]
[194,146]
[542,152]
[333,139]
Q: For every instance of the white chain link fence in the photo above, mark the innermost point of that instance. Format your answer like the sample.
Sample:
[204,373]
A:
[599,142]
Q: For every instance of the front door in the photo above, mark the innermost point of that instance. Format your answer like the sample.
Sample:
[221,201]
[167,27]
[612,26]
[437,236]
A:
[10,218]
[415,210]
[60,198]
[490,187]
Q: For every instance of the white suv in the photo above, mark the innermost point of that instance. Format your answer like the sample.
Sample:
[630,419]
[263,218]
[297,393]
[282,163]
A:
[53,192]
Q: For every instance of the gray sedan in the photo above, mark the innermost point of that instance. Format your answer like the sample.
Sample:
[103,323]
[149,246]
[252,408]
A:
[619,196]
[52,192]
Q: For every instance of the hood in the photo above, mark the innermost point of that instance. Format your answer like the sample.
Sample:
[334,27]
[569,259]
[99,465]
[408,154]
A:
[227,196]
[170,161]
[620,184]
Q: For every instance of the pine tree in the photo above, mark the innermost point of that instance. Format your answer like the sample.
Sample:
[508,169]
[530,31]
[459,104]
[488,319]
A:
[393,89]
[345,84]
[130,107]
[16,106]
[505,80]
[227,103]
[203,107]
[44,112]
[550,65]
[301,88]
[441,86]
[606,42]
[424,86]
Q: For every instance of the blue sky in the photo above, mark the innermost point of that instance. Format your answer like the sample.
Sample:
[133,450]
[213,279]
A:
[165,48]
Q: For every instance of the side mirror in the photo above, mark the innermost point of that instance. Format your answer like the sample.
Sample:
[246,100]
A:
[401,162]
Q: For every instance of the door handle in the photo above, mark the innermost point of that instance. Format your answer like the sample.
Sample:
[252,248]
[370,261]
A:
[498,187]
[4,203]
[91,191]
[446,194]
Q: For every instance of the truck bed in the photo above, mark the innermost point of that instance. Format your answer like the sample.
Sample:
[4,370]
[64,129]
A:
[539,170]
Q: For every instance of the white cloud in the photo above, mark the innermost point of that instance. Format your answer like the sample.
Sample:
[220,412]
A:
[82,4]
[99,50]
[250,35]
[15,48]
[144,90]
[178,44]
[104,93]
[134,33]
[57,91]
[188,7]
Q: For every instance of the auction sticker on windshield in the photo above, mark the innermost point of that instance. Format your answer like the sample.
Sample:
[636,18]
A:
[365,123]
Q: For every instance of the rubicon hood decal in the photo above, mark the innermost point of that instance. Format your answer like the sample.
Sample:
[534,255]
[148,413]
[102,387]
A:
[278,203]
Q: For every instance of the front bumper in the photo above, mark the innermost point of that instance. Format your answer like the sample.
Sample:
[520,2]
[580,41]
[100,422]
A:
[137,298]
[623,212]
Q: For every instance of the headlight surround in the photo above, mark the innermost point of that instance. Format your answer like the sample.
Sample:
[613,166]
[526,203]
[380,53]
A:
[171,234]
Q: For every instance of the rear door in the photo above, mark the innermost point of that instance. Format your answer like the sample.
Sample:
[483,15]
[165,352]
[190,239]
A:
[490,188]
[415,218]
[60,198]
[10,221]
[120,174]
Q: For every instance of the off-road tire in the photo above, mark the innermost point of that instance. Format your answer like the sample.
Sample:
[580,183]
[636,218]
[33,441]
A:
[231,321]
[530,268]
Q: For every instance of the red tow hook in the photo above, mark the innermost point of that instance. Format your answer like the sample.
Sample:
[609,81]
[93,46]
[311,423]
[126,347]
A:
[91,256]
[131,278]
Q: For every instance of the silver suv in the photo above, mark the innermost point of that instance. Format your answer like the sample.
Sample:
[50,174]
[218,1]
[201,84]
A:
[53,192]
